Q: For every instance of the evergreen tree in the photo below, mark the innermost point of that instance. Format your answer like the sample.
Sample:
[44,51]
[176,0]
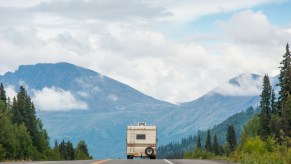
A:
[3,94]
[8,139]
[198,144]
[274,109]
[285,91]
[231,137]
[208,145]
[62,149]
[25,150]
[265,115]
[82,151]
[70,151]
[23,112]
[56,151]
[216,146]
[283,80]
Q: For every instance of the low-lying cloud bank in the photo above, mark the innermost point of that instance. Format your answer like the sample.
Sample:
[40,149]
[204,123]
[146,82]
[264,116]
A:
[56,99]
[244,85]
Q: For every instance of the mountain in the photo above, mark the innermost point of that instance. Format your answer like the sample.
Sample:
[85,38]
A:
[76,103]
[177,149]
[98,92]
[214,107]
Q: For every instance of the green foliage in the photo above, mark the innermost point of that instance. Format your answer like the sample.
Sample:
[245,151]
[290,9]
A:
[2,94]
[255,150]
[2,153]
[198,145]
[231,137]
[216,148]
[25,149]
[208,144]
[175,150]
[22,136]
[82,151]
[265,105]
[284,105]
[199,154]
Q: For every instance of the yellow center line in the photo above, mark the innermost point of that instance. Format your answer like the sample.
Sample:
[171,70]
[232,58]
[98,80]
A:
[99,162]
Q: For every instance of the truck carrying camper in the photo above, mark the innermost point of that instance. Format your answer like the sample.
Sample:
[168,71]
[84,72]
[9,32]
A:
[141,141]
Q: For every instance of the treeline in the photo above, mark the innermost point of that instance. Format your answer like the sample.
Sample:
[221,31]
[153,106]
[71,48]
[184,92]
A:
[212,148]
[177,150]
[66,151]
[22,136]
[266,138]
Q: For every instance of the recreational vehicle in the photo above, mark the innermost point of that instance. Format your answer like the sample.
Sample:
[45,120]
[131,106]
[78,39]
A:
[141,141]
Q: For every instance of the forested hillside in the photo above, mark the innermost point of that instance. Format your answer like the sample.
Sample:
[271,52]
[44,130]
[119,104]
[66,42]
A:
[177,150]
[22,136]
[266,138]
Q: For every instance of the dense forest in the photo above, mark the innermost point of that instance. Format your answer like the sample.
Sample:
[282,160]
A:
[22,136]
[266,137]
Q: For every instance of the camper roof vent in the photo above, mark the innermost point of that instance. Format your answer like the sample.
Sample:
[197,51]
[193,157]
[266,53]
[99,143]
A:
[141,124]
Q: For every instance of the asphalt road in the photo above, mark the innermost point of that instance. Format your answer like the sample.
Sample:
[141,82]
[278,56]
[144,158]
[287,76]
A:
[159,161]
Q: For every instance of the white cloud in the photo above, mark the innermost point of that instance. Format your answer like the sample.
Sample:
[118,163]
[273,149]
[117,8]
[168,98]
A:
[244,85]
[135,48]
[54,99]
[10,91]
[253,28]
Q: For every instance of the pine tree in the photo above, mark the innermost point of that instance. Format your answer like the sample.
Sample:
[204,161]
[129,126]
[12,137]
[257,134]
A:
[198,144]
[216,145]
[70,151]
[285,90]
[265,115]
[3,94]
[62,148]
[283,81]
[25,151]
[208,145]
[231,137]
[274,109]
[56,151]
[82,151]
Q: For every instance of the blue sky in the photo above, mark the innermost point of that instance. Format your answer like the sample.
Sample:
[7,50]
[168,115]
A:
[172,50]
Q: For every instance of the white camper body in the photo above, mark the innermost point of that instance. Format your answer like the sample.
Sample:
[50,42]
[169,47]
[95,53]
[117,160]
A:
[141,141]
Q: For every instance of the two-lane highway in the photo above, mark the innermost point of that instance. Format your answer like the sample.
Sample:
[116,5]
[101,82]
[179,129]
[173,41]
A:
[159,161]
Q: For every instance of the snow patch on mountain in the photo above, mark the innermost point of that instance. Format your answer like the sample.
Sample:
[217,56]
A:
[56,99]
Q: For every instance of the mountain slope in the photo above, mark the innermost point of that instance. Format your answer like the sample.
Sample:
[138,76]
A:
[238,120]
[99,92]
[110,105]
[214,107]
[76,103]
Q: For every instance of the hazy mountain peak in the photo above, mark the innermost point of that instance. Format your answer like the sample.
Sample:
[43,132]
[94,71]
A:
[236,81]
[242,85]
[72,84]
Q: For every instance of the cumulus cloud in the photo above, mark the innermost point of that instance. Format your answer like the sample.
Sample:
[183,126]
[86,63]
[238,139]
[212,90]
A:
[55,99]
[130,41]
[253,28]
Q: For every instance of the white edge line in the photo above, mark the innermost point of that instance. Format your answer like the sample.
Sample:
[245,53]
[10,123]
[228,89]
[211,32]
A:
[168,161]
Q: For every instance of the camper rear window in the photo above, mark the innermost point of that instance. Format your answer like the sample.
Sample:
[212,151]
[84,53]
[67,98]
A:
[140,136]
